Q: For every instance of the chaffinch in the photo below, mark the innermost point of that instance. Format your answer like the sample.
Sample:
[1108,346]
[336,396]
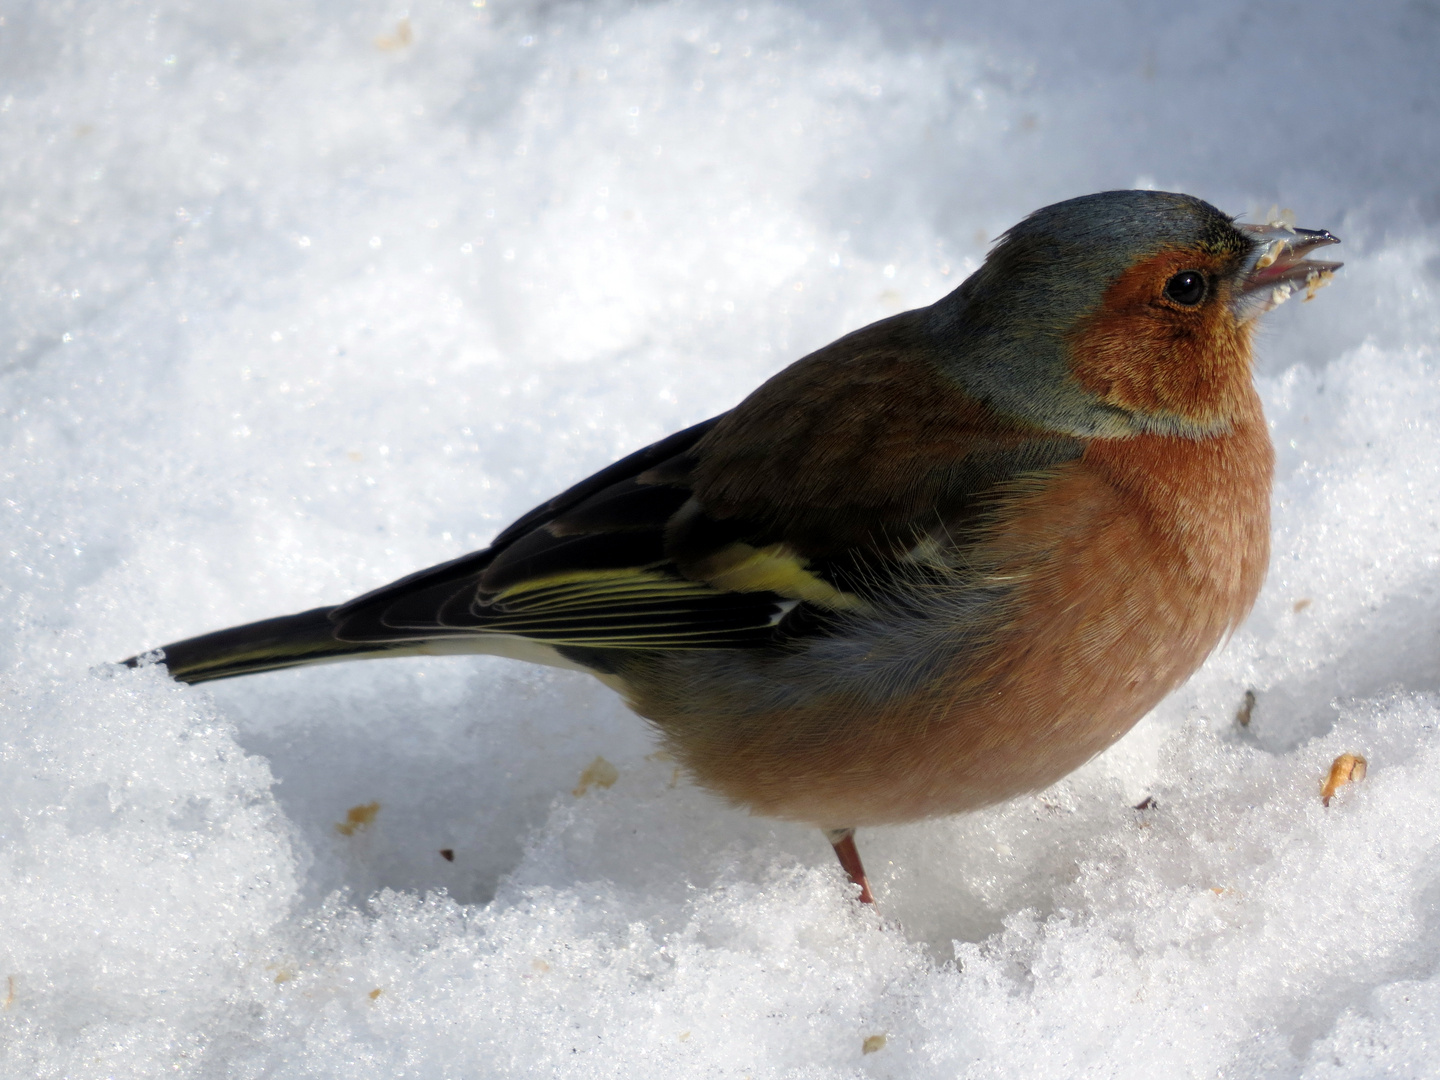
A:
[940,562]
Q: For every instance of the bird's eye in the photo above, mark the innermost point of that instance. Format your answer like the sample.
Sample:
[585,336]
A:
[1186,287]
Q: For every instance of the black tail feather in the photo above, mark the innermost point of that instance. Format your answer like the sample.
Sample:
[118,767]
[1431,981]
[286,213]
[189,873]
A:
[290,641]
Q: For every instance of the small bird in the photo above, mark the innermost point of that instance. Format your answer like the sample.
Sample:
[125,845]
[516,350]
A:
[938,563]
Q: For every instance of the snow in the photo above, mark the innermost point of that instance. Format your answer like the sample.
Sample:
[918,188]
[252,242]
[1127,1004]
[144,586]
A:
[298,297]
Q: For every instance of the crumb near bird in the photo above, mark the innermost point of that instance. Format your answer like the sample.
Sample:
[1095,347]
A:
[402,36]
[1345,769]
[1246,710]
[599,773]
[358,818]
[1315,282]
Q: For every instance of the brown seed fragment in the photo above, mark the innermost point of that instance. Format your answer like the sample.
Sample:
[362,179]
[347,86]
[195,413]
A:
[873,1043]
[448,854]
[599,773]
[402,36]
[1346,769]
[1247,706]
[376,993]
[357,818]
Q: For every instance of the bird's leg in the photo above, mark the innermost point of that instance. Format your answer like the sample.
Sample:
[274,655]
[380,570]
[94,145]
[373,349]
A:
[843,841]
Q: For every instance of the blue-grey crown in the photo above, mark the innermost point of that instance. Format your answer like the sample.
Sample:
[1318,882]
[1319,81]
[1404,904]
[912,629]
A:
[1004,329]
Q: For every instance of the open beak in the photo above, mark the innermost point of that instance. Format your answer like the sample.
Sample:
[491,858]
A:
[1278,267]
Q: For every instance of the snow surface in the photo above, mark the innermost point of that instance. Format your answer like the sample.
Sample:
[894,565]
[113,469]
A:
[298,297]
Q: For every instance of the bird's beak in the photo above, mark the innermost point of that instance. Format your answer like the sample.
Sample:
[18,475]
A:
[1278,267]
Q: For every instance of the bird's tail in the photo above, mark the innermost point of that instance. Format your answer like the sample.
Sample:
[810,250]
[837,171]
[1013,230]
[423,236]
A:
[290,641]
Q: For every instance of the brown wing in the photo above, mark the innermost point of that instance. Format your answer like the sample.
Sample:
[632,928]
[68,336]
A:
[861,447]
[764,522]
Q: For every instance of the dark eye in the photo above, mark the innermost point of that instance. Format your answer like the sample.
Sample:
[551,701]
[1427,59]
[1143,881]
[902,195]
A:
[1186,287]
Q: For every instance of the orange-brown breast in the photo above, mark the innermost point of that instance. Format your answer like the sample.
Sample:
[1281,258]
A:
[1128,567]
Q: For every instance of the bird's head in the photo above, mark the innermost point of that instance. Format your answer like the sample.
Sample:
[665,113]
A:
[1122,313]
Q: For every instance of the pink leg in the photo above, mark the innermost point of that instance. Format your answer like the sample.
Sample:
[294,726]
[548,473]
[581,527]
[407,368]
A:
[843,841]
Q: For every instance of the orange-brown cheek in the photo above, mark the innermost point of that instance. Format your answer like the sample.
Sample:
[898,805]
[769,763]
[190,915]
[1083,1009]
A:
[1148,357]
